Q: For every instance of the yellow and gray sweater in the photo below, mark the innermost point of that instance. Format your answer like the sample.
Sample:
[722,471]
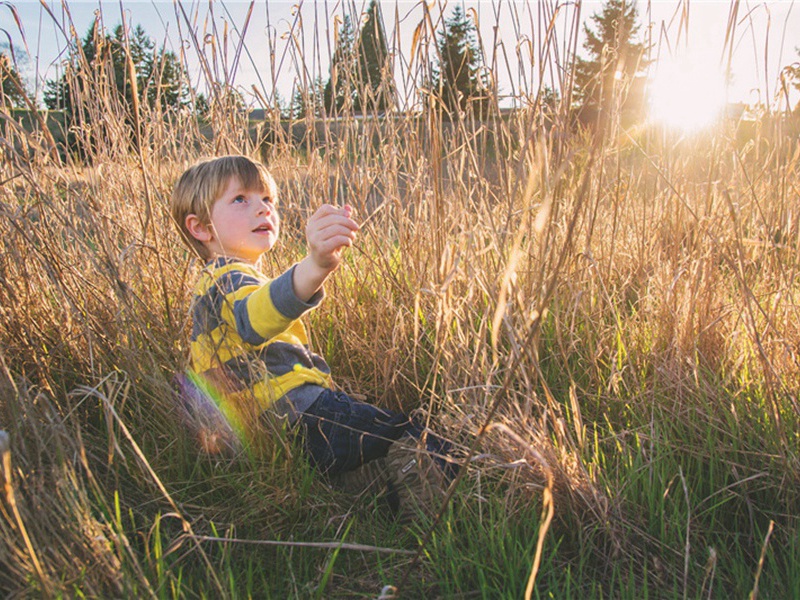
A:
[248,344]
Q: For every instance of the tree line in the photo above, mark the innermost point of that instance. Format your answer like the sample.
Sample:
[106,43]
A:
[361,79]
[132,73]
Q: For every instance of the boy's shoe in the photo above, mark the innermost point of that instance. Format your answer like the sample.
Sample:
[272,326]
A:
[415,477]
[369,476]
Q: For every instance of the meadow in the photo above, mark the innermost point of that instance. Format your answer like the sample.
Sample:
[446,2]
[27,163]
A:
[606,326]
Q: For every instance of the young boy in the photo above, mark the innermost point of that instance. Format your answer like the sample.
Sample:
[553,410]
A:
[250,348]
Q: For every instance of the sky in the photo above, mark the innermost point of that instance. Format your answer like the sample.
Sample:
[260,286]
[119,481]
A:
[280,43]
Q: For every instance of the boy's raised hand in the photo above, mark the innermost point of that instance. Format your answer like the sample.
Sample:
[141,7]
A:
[329,230]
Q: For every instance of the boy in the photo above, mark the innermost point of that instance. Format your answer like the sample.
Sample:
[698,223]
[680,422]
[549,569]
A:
[250,348]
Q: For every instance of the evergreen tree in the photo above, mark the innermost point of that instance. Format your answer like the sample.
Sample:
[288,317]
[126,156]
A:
[12,90]
[457,78]
[373,55]
[358,66]
[308,102]
[341,84]
[99,69]
[159,75]
[611,78]
[202,107]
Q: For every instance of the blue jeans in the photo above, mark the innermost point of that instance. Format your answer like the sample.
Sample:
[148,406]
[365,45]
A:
[340,434]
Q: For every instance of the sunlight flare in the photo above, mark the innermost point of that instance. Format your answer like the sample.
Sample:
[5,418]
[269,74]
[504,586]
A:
[688,93]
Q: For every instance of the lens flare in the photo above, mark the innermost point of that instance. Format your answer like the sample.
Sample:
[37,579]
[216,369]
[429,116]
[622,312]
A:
[688,94]
[218,428]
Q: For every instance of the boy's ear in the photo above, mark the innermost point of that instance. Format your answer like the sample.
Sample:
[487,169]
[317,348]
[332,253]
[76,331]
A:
[197,229]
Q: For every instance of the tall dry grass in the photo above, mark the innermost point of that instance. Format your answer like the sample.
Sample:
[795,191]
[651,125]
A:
[606,326]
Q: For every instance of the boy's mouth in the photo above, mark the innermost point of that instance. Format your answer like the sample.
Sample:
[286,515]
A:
[264,227]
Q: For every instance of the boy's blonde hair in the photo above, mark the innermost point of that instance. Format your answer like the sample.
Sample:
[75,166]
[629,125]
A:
[201,184]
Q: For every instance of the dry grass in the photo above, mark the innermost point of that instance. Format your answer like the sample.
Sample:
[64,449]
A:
[615,321]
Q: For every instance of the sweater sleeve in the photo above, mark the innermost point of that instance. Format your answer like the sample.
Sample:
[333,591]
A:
[270,309]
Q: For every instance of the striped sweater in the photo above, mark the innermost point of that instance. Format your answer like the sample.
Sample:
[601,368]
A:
[248,344]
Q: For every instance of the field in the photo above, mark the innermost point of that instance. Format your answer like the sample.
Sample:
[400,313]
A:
[606,325]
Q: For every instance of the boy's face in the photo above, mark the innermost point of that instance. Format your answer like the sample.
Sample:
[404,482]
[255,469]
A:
[244,224]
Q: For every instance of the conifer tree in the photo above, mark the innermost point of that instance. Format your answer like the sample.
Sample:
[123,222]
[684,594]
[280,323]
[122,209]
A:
[359,66]
[341,84]
[12,88]
[99,69]
[604,80]
[373,54]
[457,77]
[308,102]
[159,75]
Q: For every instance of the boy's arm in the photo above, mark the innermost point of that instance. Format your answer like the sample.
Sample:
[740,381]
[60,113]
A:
[328,232]
[260,312]
[256,310]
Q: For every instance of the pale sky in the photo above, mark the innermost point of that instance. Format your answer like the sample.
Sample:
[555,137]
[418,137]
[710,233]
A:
[764,38]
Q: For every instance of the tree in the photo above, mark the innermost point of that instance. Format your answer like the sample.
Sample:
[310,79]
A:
[610,78]
[373,55]
[358,67]
[307,102]
[159,75]
[12,90]
[457,78]
[12,93]
[341,84]
[98,69]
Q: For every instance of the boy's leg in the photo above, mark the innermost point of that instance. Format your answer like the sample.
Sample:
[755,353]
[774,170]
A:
[340,434]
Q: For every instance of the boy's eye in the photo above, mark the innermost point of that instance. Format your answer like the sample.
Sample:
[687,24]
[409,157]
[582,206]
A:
[238,199]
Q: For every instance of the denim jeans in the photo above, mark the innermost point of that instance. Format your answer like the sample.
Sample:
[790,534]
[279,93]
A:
[340,434]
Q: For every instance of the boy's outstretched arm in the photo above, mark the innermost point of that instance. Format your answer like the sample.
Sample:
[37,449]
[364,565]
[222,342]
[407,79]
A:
[328,232]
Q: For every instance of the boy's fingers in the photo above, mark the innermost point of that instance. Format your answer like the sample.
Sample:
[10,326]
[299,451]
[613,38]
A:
[329,210]
[334,244]
[330,221]
[329,230]
[327,227]
[333,216]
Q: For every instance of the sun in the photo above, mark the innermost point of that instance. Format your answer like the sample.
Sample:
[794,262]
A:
[688,93]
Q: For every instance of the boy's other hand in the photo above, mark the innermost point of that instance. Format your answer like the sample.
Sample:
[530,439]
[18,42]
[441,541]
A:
[329,230]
